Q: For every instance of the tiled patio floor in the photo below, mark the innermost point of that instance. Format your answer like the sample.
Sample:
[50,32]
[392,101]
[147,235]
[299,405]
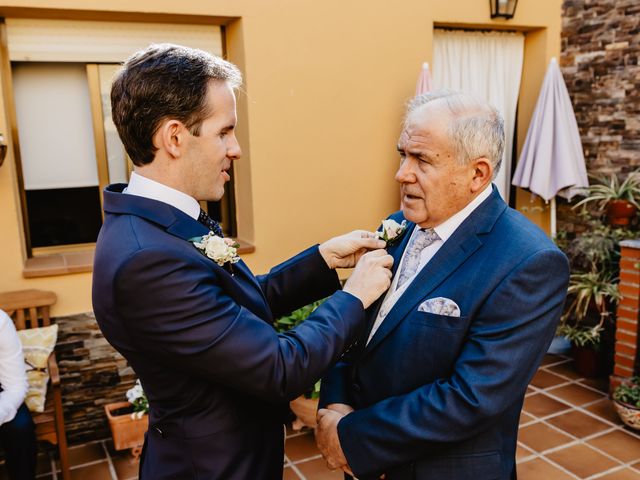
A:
[568,430]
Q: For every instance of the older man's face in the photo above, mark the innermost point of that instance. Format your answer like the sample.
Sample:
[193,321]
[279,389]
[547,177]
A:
[434,184]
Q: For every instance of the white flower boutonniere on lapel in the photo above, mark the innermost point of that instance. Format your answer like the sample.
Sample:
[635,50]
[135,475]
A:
[223,251]
[391,231]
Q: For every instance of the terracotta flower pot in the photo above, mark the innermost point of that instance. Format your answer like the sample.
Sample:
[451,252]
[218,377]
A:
[629,414]
[127,432]
[620,212]
[305,410]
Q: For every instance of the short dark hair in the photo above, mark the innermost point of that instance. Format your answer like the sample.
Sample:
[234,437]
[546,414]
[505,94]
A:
[160,82]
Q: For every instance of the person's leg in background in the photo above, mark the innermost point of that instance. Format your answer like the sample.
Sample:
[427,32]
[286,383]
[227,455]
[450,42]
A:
[18,439]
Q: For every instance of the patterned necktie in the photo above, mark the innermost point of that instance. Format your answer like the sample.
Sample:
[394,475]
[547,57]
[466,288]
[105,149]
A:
[210,223]
[421,240]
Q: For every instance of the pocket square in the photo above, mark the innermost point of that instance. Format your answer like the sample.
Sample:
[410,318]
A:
[440,306]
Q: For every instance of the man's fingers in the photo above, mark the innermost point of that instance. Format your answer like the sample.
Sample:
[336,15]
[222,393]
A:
[371,243]
[321,413]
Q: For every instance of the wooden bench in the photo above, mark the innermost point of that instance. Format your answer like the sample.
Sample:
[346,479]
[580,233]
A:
[30,309]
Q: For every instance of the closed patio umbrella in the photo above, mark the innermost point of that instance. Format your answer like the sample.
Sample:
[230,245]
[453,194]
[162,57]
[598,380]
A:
[552,160]
[424,84]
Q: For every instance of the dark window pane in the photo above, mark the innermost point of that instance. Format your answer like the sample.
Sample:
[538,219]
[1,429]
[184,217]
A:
[64,216]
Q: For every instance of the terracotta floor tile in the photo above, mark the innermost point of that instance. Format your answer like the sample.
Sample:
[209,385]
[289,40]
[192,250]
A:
[300,447]
[540,405]
[523,452]
[317,470]
[618,444]
[126,466]
[526,418]
[575,394]
[601,384]
[289,474]
[582,460]
[604,409]
[544,379]
[578,424]
[549,359]
[538,469]
[79,455]
[98,471]
[541,437]
[626,474]
[565,369]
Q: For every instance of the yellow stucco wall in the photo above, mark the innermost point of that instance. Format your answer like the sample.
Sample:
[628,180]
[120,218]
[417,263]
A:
[326,84]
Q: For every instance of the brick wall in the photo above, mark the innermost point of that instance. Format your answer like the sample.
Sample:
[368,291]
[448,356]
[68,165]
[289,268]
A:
[599,61]
[628,308]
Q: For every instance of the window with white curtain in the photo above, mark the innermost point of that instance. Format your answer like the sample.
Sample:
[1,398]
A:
[69,147]
[487,65]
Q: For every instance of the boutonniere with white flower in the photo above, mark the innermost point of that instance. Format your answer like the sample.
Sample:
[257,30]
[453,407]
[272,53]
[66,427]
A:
[223,251]
[391,231]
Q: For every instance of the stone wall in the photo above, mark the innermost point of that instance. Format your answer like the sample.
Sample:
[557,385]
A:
[599,61]
[92,374]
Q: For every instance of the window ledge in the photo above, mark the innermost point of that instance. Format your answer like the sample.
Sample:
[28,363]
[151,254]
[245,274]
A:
[66,263]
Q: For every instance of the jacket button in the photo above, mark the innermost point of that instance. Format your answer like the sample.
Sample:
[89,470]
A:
[356,387]
[159,431]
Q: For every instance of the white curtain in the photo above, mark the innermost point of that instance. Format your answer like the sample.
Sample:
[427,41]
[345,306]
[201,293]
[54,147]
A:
[487,65]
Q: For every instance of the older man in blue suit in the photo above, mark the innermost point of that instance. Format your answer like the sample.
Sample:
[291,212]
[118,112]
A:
[171,294]
[435,386]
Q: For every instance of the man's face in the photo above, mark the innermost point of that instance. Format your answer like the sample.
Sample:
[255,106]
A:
[434,185]
[210,154]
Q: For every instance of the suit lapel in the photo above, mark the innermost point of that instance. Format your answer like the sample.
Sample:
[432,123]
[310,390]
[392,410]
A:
[453,253]
[396,250]
[179,224]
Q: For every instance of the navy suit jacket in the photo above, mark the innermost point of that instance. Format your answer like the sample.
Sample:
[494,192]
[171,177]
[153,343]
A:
[439,397]
[217,374]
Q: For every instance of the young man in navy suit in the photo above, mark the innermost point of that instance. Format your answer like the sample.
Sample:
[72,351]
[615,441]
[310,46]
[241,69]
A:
[435,386]
[171,295]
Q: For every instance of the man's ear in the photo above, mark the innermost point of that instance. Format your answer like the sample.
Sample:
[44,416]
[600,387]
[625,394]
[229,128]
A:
[482,174]
[170,137]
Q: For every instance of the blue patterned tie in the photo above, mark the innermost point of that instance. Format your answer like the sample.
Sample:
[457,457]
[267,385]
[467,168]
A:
[210,223]
[421,240]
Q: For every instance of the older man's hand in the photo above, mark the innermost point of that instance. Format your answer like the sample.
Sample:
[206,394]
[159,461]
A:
[345,251]
[328,441]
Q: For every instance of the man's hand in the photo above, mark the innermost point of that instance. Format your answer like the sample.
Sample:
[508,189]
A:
[328,441]
[371,277]
[341,408]
[345,251]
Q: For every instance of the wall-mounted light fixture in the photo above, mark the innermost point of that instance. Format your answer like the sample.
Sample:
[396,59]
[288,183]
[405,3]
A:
[3,149]
[503,8]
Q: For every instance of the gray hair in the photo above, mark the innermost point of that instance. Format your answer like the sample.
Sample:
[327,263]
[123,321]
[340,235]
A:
[476,128]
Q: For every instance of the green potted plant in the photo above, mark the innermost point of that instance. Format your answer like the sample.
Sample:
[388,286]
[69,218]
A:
[626,400]
[305,406]
[129,420]
[593,294]
[619,199]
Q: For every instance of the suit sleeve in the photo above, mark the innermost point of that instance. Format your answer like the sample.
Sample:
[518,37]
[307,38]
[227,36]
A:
[504,347]
[297,282]
[177,313]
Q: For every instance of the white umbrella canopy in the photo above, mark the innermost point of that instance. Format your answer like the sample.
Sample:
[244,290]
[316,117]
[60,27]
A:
[425,83]
[552,160]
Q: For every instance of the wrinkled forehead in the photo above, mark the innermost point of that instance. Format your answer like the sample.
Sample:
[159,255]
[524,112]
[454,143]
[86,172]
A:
[425,125]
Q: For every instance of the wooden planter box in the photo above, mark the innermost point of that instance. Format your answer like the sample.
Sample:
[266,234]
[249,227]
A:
[127,432]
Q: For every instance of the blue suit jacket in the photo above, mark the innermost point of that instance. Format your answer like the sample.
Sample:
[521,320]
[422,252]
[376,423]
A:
[439,397]
[217,375]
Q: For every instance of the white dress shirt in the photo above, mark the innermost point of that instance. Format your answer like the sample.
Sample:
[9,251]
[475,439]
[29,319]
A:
[13,378]
[444,231]
[145,187]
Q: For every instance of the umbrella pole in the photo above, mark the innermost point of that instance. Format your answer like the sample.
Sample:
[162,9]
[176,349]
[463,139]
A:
[553,217]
